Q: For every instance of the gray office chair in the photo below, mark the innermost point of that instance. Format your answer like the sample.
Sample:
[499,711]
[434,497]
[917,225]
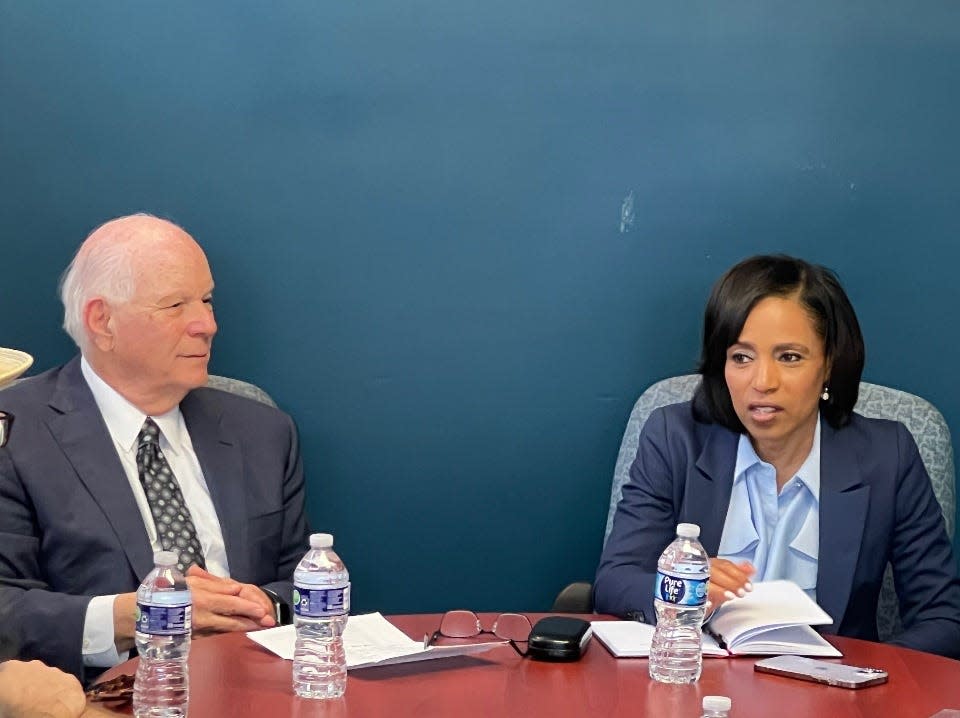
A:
[234,386]
[243,388]
[924,422]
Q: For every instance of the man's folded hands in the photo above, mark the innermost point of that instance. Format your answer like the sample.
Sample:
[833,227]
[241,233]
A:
[223,604]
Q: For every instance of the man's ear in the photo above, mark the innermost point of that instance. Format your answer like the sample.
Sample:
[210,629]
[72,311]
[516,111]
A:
[98,321]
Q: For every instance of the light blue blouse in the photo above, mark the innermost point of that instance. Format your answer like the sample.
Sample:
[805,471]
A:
[778,533]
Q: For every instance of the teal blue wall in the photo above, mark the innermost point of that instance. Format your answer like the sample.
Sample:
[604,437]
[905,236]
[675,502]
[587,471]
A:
[413,213]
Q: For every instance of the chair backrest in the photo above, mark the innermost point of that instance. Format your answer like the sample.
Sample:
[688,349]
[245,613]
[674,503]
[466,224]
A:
[243,388]
[225,383]
[925,423]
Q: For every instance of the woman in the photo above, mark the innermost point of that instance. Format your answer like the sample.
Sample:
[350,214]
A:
[785,481]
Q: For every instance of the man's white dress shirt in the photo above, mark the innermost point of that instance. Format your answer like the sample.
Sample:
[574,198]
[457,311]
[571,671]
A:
[124,422]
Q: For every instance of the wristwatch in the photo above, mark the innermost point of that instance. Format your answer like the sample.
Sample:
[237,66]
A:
[281,609]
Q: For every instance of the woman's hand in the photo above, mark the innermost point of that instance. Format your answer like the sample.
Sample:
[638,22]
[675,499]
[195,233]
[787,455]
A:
[728,580]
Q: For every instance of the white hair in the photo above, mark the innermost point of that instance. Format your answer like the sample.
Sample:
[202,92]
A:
[102,267]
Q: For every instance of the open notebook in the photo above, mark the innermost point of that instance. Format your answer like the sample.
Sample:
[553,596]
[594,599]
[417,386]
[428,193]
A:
[773,619]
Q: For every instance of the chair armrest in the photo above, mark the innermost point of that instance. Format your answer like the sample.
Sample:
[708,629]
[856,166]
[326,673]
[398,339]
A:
[575,598]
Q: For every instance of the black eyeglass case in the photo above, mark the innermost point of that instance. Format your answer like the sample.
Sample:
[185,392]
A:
[559,638]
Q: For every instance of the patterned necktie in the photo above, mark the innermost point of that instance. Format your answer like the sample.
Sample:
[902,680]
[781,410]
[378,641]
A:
[171,516]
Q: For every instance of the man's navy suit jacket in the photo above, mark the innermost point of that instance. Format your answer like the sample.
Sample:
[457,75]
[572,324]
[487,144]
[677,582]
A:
[70,528]
[876,506]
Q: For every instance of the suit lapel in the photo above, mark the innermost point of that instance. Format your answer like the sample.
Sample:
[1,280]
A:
[709,494]
[83,436]
[220,459]
[843,509]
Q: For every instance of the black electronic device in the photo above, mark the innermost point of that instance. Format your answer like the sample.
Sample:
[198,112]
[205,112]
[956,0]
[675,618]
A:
[559,638]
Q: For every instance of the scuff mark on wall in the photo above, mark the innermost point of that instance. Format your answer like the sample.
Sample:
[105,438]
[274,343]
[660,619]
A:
[626,213]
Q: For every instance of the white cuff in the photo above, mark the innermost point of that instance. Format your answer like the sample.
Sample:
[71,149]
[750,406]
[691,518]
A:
[99,650]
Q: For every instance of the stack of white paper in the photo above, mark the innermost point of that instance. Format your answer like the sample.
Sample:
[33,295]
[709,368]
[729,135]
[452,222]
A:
[369,640]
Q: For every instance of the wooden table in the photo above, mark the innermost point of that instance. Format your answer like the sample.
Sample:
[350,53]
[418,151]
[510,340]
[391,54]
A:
[232,676]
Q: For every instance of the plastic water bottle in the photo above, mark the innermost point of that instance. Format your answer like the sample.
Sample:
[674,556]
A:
[164,620]
[680,597]
[716,707]
[321,604]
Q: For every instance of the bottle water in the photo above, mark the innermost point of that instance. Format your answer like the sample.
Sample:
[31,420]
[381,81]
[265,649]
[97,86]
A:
[164,620]
[321,604]
[716,707]
[680,597]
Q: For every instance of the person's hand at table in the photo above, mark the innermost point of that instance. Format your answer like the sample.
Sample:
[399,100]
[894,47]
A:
[220,605]
[35,690]
[728,580]
[223,604]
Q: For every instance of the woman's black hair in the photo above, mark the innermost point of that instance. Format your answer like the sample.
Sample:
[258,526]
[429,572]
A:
[818,290]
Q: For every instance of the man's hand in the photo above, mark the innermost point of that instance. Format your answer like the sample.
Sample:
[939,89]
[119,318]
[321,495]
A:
[728,580]
[124,621]
[222,604]
[34,690]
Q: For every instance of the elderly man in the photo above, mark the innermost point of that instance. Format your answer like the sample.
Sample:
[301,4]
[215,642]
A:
[123,452]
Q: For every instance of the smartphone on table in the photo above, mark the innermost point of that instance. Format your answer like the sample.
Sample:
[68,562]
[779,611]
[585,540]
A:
[831,674]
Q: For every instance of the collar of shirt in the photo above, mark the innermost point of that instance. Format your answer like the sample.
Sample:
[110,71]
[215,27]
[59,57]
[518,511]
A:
[739,534]
[808,474]
[124,420]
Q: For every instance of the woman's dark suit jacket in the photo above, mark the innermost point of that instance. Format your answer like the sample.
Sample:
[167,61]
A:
[876,506]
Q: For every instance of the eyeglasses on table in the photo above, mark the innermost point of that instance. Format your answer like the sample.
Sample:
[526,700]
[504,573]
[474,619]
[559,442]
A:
[512,627]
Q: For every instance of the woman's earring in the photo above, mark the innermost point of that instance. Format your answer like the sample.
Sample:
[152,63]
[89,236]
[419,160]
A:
[826,394]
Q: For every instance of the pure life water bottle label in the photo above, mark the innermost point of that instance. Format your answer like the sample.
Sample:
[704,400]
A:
[681,590]
[321,602]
